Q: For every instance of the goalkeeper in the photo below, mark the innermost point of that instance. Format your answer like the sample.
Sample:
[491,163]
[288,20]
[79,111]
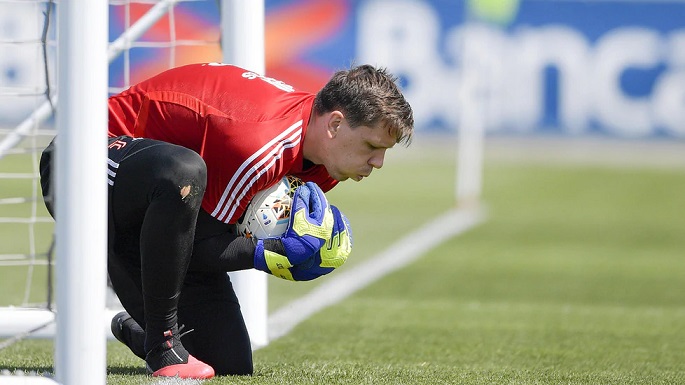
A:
[188,149]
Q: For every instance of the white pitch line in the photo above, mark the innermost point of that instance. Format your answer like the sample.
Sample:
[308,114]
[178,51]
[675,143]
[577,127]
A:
[344,283]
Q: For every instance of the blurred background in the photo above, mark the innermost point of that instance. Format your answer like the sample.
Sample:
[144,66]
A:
[602,69]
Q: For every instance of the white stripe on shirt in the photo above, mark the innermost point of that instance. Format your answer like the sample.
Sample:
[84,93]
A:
[264,152]
[276,155]
[112,168]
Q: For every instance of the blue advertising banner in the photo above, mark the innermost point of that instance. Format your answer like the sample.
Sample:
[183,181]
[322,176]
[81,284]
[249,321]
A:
[613,68]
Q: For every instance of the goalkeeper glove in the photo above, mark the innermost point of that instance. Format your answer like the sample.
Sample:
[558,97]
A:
[311,225]
[332,255]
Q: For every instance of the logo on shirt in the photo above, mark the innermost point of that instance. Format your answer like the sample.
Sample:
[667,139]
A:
[117,144]
[276,83]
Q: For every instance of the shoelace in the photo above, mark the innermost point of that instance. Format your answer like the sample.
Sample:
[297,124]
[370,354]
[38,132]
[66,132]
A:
[181,333]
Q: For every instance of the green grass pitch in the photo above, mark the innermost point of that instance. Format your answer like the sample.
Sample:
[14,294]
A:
[575,278]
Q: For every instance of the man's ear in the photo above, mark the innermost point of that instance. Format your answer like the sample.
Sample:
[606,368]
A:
[333,123]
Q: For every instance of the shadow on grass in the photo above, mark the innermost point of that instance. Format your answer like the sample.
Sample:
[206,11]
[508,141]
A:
[41,370]
[32,370]
[124,370]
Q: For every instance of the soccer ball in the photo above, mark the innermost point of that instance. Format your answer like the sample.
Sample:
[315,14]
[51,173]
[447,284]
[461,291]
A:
[268,213]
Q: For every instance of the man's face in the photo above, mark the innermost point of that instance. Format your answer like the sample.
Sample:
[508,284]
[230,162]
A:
[352,153]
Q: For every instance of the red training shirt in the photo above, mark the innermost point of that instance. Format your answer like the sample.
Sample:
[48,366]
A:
[248,128]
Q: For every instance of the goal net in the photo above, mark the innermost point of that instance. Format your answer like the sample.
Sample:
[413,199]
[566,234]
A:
[27,81]
[148,36]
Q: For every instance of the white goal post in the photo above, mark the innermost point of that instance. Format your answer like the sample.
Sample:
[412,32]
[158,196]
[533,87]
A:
[242,35]
[80,203]
[81,192]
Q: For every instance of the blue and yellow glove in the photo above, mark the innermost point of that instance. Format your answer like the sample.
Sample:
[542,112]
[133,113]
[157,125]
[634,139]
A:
[332,255]
[311,226]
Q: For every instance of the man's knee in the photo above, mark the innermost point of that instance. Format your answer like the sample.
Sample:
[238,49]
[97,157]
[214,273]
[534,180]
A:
[185,174]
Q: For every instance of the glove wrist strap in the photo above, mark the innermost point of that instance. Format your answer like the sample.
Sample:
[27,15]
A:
[259,259]
[272,262]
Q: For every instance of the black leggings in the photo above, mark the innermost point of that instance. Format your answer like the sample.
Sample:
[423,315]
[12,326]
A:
[153,209]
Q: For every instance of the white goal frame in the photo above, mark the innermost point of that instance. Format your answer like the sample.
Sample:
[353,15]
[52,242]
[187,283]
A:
[84,55]
[80,205]
[81,192]
[242,34]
